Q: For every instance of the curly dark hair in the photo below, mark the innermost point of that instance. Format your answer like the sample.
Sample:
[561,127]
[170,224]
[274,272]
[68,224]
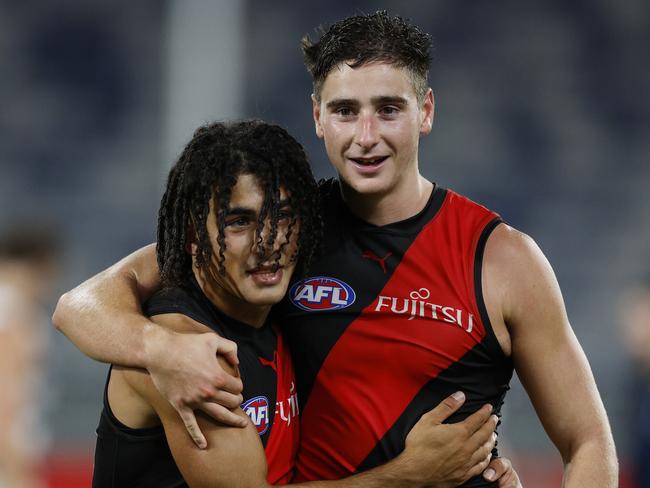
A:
[364,39]
[208,169]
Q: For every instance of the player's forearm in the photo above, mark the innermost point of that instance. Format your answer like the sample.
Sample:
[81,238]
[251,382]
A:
[594,463]
[397,473]
[100,325]
[103,317]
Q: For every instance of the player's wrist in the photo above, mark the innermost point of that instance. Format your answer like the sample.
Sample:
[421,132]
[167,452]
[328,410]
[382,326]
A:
[404,471]
[154,341]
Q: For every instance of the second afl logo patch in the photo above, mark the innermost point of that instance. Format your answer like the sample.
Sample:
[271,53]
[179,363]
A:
[258,410]
[321,293]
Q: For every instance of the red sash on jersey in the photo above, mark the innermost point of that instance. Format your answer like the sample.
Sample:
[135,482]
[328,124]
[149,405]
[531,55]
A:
[282,445]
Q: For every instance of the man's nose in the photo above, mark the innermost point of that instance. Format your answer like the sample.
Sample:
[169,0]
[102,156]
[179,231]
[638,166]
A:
[367,134]
[264,239]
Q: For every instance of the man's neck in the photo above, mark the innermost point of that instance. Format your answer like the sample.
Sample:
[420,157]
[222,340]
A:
[390,207]
[232,306]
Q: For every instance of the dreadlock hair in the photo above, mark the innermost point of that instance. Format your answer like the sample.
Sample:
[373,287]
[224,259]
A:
[206,172]
[364,39]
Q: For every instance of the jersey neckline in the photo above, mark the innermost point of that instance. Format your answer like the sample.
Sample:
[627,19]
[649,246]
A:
[409,225]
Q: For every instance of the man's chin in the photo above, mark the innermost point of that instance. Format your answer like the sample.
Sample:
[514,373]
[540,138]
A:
[367,187]
[265,297]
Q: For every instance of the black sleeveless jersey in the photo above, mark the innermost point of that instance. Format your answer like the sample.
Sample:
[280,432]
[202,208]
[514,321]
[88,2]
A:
[126,457]
[389,322]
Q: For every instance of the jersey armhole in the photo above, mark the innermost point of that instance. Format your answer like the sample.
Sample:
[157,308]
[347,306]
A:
[143,433]
[491,341]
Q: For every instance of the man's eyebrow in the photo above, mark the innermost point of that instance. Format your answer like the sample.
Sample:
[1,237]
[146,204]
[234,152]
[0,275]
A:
[241,211]
[341,102]
[380,100]
[247,211]
[389,100]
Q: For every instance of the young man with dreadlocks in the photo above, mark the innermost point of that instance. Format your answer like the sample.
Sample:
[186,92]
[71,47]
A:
[237,217]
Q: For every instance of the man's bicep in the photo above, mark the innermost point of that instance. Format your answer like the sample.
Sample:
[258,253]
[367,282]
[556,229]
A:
[561,387]
[547,356]
[233,457]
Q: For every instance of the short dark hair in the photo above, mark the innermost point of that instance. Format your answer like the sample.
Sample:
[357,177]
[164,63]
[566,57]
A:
[364,39]
[208,169]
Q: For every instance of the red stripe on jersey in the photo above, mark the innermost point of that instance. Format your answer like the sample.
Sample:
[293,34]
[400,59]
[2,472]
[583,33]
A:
[282,444]
[424,319]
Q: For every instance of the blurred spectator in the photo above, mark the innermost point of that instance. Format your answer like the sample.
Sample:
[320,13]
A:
[635,320]
[27,266]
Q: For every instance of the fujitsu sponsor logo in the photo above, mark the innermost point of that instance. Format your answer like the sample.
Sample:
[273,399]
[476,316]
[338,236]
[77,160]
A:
[287,409]
[419,305]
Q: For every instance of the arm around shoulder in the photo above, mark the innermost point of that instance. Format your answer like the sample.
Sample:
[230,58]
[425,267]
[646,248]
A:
[103,316]
[522,293]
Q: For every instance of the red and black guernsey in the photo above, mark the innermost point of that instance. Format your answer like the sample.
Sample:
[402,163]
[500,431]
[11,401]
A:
[390,321]
[141,457]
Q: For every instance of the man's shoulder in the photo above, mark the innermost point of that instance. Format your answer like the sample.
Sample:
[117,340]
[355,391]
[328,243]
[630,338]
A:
[465,203]
[178,298]
[168,296]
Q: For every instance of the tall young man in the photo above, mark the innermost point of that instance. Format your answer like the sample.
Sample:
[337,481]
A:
[419,292]
[233,225]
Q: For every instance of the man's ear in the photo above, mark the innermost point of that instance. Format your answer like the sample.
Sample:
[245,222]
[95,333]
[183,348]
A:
[315,110]
[427,111]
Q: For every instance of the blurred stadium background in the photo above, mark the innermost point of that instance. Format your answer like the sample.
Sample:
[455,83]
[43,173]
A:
[543,114]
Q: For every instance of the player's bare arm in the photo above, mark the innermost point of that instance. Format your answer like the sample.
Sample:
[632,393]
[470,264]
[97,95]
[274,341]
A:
[103,318]
[527,311]
[436,455]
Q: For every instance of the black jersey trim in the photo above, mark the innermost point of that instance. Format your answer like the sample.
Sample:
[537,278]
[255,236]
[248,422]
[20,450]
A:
[408,226]
[490,337]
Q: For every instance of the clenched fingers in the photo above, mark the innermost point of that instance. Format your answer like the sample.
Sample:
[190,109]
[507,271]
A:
[227,383]
[226,348]
[224,398]
[484,433]
[480,459]
[223,415]
[478,419]
[479,467]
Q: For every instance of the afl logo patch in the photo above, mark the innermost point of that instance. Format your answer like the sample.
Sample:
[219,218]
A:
[258,410]
[321,293]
